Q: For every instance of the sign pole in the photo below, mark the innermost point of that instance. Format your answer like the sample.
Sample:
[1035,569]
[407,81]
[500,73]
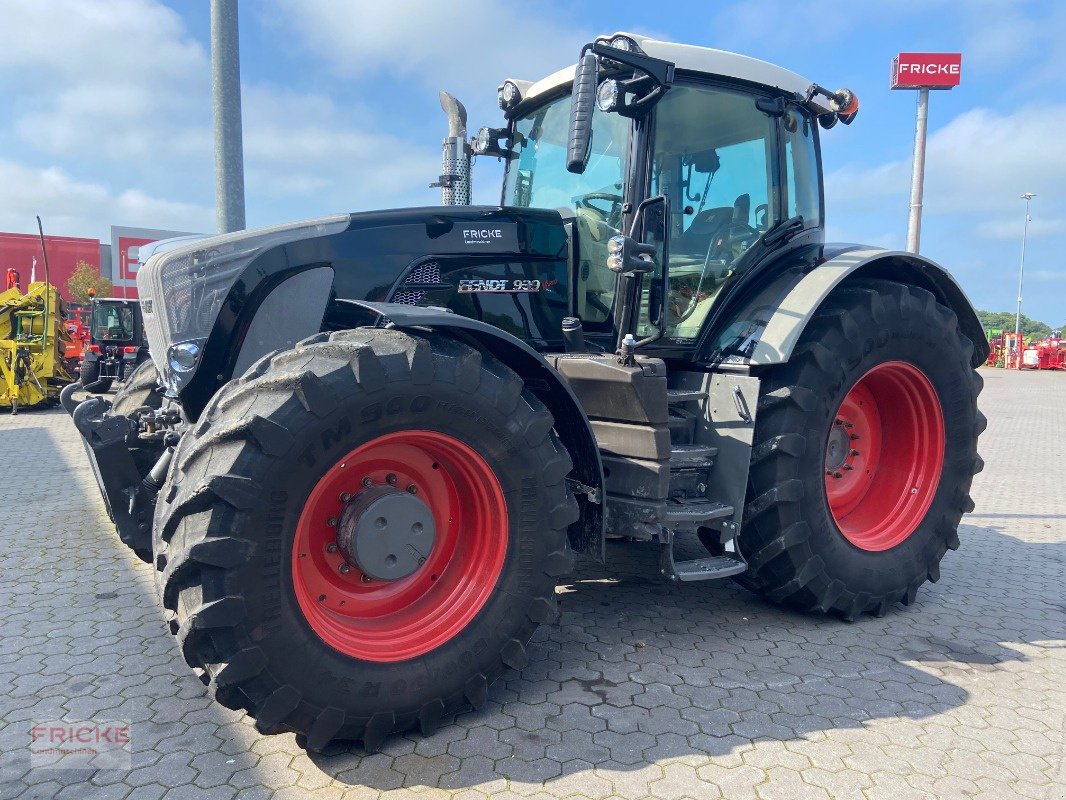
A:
[914,222]
[922,71]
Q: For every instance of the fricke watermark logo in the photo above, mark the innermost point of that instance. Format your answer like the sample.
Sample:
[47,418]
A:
[93,744]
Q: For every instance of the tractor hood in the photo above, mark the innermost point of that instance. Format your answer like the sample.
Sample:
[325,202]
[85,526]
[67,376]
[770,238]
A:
[506,266]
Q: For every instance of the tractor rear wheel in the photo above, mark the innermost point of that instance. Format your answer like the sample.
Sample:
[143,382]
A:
[864,452]
[90,374]
[360,534]
[138,391]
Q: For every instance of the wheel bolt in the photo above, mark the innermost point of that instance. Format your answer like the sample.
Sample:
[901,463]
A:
[345,569]
[366,579]
[837,474]
[848,425]
[390,479]
[853,436]
[368,481]
[838,422]
[331,547]
[853,452]
[345,497]
[847,468]
[332,522]
[412,489]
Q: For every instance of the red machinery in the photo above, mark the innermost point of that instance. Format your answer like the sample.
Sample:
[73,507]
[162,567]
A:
[77,326]
[997,348]
[1049,353]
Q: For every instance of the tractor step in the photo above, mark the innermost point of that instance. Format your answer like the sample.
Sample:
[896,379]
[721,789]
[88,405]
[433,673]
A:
[684,395]
[696,569]
[690,513]
[702,569]
[692,456]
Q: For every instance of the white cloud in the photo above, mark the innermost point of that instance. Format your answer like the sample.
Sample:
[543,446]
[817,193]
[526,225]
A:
[302,148]
[980,162]
[118,95]
[1012,228]
[71,207]
[465,46]
[118,81]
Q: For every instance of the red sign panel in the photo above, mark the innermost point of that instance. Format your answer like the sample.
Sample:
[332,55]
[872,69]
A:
[22,252]
[129,261]
[926,70]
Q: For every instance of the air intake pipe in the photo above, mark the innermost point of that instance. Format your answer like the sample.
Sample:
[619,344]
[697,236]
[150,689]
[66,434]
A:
[455,164]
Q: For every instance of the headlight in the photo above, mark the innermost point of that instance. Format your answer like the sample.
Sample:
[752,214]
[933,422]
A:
[509,95]
[607,95]
[183,289]
[624,43]
[183,357]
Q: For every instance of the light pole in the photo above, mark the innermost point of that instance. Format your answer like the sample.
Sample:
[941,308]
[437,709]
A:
[1027,197]
[226,105]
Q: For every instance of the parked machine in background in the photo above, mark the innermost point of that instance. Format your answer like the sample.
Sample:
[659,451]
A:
[1049,353]
[116,345]
[383,436]
[77,328]
[33,342]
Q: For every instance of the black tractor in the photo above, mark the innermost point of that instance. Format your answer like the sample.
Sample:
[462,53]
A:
[383,437]
[116,345]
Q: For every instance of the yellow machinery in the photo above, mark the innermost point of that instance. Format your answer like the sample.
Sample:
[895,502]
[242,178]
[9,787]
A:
[32,343]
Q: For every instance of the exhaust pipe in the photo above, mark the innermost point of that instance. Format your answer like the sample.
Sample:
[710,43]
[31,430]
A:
[455,163]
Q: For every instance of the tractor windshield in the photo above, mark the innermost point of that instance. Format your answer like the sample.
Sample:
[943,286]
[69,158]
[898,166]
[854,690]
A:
[112,322]
[537,178]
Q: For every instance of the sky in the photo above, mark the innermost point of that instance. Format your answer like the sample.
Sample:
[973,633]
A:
[106,112]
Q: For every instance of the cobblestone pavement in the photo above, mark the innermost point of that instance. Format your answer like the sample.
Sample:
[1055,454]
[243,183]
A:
[640,691]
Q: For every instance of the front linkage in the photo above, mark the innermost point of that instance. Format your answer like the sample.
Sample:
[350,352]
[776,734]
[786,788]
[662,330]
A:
[130,456]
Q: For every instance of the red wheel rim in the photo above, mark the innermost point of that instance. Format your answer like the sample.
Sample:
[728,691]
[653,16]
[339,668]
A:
[884,456]
[396,620]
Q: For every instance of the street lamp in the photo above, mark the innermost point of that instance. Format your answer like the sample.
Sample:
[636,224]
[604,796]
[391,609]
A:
[1028,196]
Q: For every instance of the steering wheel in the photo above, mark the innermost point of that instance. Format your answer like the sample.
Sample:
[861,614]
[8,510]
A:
[732,242]
[611,218]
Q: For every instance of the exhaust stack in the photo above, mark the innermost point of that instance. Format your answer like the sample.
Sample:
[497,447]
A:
[455,163]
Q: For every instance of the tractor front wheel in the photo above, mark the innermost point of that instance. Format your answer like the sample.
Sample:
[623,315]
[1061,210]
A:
[138,391]
[360,534]
[864,452]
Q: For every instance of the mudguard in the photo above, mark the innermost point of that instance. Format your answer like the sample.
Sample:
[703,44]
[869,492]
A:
[795,309]
[587,535]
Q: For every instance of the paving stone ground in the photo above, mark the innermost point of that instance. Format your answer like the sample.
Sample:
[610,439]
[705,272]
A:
[641,690]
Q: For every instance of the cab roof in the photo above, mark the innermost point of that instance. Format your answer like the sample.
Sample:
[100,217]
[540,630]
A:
[691,58]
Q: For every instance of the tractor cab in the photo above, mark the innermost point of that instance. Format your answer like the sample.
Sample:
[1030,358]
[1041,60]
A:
[712,158]
[116,343]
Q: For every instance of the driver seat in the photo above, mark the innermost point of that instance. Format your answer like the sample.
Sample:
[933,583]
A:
[701,232]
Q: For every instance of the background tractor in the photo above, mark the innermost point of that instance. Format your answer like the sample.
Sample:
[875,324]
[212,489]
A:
[116,345]
[379,439]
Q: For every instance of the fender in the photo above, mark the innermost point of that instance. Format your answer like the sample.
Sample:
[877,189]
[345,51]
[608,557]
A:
[587,535]
[777,317]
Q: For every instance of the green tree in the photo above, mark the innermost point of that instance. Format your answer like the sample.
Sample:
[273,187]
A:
[1031,328]
[85,277]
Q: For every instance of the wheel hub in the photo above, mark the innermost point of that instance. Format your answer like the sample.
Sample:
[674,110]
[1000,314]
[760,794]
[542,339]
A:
[837,448]
[388,534]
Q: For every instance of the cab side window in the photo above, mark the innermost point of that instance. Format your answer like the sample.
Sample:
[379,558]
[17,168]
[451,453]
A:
[801,168]
[712,157]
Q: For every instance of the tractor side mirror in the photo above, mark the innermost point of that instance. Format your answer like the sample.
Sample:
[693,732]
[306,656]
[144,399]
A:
[581,108]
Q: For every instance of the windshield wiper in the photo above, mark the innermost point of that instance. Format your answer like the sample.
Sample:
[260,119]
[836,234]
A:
[782,231]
